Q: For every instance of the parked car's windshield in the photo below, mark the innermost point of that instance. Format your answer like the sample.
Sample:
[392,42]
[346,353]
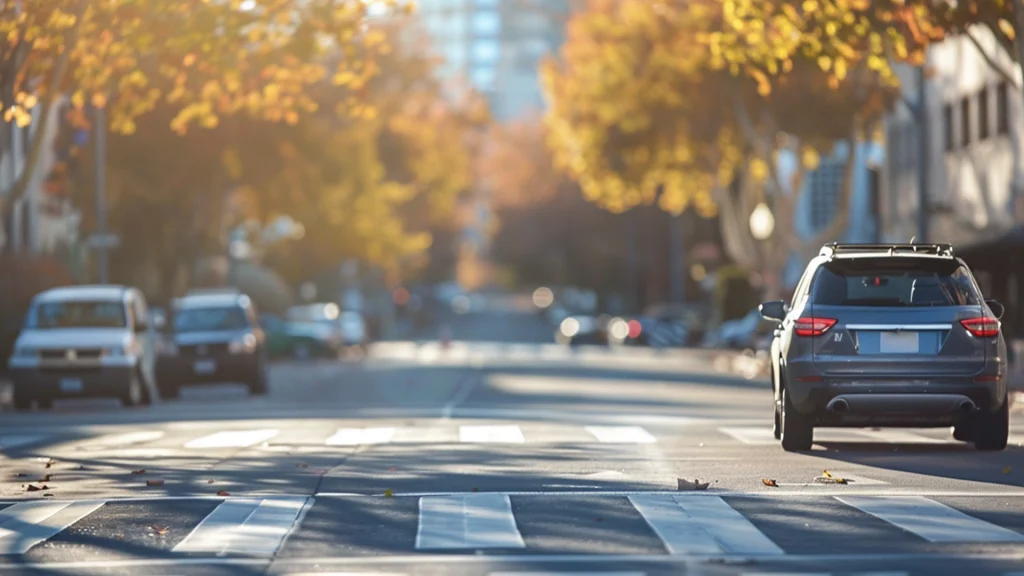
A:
[78,314]
[210,319]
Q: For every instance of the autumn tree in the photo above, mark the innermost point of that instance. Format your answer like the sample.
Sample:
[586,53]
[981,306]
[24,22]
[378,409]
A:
[650,104]
[205,60]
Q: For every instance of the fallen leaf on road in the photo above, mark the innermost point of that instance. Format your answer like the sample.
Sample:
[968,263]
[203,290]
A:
[388,493]
[769,482]
[827,478]
[159,530]
[302,465]
[139,471]
[1006,470]
[223,493]
[118,536]
[392,469]
[209,481]
[154,482]
[50,462]
[34,488]
[48,495]
[683,484]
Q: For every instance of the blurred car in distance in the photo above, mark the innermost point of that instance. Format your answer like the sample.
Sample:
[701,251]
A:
[84,341]
[212,338]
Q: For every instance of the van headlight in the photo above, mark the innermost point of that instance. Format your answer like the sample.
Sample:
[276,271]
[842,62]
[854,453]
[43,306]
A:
[244,345]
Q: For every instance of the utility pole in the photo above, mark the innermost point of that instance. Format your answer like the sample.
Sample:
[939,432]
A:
[677,255]
[634,300]
[101,190]
[924,153]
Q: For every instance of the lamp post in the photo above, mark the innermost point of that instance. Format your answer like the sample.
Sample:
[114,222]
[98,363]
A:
[762,222]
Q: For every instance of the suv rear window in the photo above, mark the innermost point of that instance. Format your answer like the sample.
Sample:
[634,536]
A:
[894,282]
[210,319]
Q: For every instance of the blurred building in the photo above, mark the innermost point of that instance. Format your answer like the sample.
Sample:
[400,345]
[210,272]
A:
[974,151]
[497,45]
[975,196]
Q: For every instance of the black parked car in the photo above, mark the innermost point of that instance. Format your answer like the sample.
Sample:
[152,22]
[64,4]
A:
[212,338]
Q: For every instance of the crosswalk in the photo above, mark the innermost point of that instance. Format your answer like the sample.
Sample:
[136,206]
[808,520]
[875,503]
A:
[440,432]
[684,525]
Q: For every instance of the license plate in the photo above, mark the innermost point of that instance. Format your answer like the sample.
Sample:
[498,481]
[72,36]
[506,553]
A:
[70,385]
[899,343]
[205,367]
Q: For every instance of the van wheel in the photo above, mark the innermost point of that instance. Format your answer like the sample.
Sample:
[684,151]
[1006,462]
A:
[991,431]
[797,429]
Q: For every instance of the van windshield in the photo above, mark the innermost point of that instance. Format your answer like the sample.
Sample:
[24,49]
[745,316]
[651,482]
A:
[210,319]
[902,282]
[78,314]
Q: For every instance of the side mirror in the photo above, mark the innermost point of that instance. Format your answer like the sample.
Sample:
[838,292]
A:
[774,310]
[996,307]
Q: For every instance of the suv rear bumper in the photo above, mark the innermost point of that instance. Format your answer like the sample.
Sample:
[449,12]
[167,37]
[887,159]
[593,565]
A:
[893,401]
[99,382]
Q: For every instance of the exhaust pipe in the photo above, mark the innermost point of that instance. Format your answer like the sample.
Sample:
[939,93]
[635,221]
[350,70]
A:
[838,406]
[967,406]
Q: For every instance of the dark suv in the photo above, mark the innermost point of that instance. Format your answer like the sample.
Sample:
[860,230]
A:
[212,338]
[889,335]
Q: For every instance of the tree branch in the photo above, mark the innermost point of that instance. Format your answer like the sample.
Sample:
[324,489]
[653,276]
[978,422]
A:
[990,60]
[39,132]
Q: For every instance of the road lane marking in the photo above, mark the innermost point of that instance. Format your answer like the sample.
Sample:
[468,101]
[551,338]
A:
[26,524]
[754,436]
[621,434]
[18,440]
[888,573]
[467,522]
[118,440]
[487,434]
[254,526]
[707,526]
[589,573]
[359,436]
[232,439]
[930,520]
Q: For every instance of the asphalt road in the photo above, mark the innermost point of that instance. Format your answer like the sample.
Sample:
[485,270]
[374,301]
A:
[499,456]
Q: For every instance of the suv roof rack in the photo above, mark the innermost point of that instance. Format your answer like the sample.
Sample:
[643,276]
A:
[834,248]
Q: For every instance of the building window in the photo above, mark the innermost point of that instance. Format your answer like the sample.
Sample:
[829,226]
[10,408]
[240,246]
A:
[983,120]
[486,23]
[965,122]
[485,51]
[825,184]
[1003,109]
[947,124]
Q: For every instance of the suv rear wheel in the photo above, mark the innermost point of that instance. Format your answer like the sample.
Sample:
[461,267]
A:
[797,429]
[991,431]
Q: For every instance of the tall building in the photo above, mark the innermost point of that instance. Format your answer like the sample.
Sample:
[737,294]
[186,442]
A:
[497,46]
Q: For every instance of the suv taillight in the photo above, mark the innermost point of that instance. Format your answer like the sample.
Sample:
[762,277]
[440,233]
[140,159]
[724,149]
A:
[982,327]
[811,326]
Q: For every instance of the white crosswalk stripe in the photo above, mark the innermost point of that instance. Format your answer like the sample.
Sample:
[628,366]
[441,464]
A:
[703,525]
[359,436]
[475,522]
[487,434]
[621,434]
[931,520]
[232,439]
[244,526]
[25,524]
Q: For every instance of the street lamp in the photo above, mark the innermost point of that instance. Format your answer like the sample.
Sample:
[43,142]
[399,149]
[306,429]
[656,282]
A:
[762,222]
